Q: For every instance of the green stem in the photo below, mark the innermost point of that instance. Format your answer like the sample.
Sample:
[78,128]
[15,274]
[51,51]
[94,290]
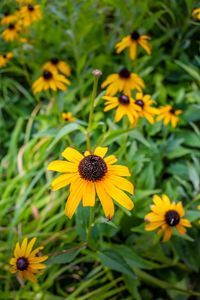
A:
[89,229]
[93,97]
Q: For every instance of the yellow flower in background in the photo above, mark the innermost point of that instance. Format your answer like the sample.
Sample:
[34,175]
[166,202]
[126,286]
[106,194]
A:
[58,65]
[166,215]
[68,117]
[4,59]
[26,261]
[30,14]
[11,33]
[145,103]
[196,13]
[8,19]
[50,80]
[168,115]
[132,41]
[124,81]
[22,2]
[125,107]
[92,174]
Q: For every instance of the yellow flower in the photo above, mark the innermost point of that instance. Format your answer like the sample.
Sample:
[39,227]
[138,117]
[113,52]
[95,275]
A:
[4,59]
[11,33]
[124,81]
[50,80]
[196,13]
[57,65]
[166,215]
[26,261]
[7,19]
[132,41]
[68,117]
[169,115]
[22,2]
[30,14]
[125,106]
[92,174]
[147,111]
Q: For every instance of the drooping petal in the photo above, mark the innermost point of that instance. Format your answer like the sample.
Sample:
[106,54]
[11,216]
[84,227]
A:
[106,200]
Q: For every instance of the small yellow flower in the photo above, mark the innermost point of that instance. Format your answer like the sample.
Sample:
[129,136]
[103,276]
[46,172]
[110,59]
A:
[26,261]
[145,103]
[30,14]
[169,115]
[68,117]
[196,13]
[50,80]
[57,65]
[4,59]
[11,33]
[166,215]
[132,41]
[7,19]
[124,81]
[125,107]
[92,174]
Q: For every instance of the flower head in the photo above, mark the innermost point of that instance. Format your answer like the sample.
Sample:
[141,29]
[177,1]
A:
[57,65]
[68,117]
[168,115]
[125,106]
[26,261]
[196,13]
[124,81]
[145,103]
[7,19]
[166,215]
[50,80]
[132,41]
[11,33]
[29,14]
[92,174]
[4,59]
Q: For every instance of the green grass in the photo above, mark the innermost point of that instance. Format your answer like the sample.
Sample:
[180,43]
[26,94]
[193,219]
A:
[122,260]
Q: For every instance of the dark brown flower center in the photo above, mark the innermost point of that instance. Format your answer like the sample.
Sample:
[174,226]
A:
[54,61]
[22,263]
[124,73]
[47,75]
[135,35]
[4,55]
[30,7]
[11,26]
[172,217]
[140,102]
[92,168]
[172,111]
[124,100]
[6,14]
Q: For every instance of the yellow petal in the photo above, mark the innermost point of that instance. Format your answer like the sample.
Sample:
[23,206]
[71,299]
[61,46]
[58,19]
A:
[122,183]
[101,151]
[89,194]
[167,234]
[23,247]
[106,200]
[72,155]
[63,180]
[119,170]
[63,166]
[29,247]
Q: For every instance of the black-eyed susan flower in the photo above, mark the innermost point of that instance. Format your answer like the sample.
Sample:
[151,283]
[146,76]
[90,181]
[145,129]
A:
[168,115]
[57,65]
[30,13]
[4,59]
[92,174]
[68,117]
[11,33]
[196,13]
[145,103]
[132,41]
[50,80]
[8,19]
[124,81]
[26,261]
[125,107]
[166,215]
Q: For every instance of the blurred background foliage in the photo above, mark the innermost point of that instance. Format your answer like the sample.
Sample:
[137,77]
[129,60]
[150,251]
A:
[124,261]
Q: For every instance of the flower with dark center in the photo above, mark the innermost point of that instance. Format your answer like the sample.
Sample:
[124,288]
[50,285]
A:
[172,218]
[22,264]
[54,60]
[11,26]
[169,115]
[124,73]
[124,100]
[47,75]
[31,7]
[139,102]
[92,168]
[135,36]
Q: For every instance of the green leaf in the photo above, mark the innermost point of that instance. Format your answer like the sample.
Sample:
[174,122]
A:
[65,257]
[190,70]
